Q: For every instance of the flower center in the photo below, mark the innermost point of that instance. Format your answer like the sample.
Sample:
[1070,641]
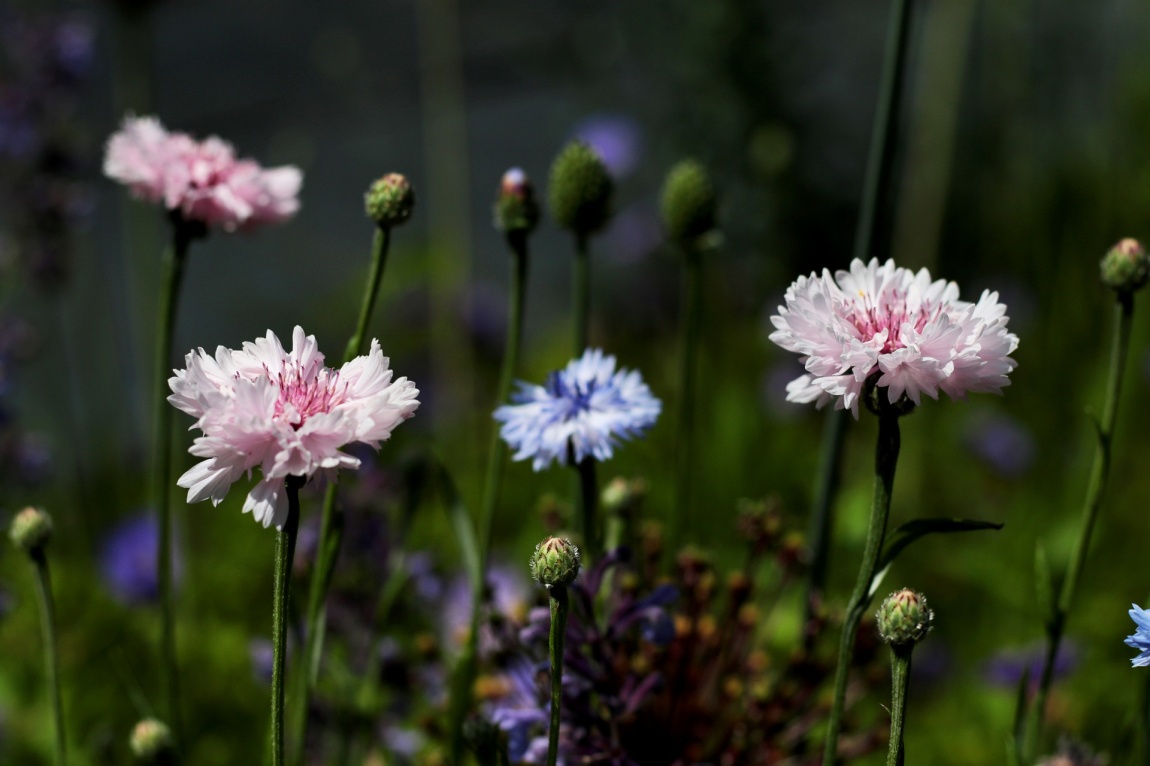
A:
[577,397]
[889,314]
[304,392]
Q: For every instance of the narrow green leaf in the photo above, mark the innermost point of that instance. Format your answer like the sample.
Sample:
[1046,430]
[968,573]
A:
[916,529]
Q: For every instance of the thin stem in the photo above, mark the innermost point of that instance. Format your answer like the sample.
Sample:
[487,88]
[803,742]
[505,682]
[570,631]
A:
[51,655]
[589,503]
[555,646]
[900,684]
[332,519]
[688,373]
[884,133]
[1095,489]
[285,553]
[581,294]
[517,242]
[174,259]
[886,459]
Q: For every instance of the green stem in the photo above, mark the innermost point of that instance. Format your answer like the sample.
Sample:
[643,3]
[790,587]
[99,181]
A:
[172,267]
[589,503]
[692,298]
[555,645]
[51,654]
[884,133]
[285,553]
[517,242]
[822,512]
[886,459]
[581,294]
[332,519]
[1095,489]
[900,684]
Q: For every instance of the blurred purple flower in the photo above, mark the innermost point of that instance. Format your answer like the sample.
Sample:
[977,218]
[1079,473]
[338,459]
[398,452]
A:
[262,655]
[520,711]
[634,234]
[616,138]
[509,593]
[1006,667]
[128,559]
[1002,442]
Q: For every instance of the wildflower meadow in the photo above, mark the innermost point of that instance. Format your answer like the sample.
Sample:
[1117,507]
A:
[639,384]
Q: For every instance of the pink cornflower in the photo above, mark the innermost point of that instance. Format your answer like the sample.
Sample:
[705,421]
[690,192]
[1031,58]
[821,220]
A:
[912,335]
[284,412]
[203,180]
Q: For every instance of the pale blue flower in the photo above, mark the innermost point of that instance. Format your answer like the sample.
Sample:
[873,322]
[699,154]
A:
[588,405]
[1141,638]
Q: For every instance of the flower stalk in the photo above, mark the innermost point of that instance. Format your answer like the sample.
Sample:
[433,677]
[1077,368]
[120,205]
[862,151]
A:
[331,519]
[51,651]
[900,685]
[1095,490]
[688,375]
[886,460]
[285,553]
[581,294]
[589,505]
[558,600]
[174,259]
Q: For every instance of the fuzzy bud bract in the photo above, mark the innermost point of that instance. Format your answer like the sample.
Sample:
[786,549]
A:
[515,208]
[579,189]
[688,202]
[555,562]
[389,201]
[31,529]
[1126,267]
[904,618]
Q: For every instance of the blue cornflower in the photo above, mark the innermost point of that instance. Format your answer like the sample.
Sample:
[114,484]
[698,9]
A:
[1141,638]
[588,407]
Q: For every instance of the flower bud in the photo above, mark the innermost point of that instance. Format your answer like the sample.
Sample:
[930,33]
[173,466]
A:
[688,202]
[1126,266]
[151,742]
[515,208]
[556,562]
[904,618]
[579,189]
[389,201]
[31,529]
[622,495]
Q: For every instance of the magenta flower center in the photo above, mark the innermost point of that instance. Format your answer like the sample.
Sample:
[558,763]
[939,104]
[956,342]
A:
[889,316]
[304,392]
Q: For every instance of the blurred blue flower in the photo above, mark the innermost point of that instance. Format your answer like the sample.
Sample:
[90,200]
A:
[1005,668]
[1141,638]
[508,593]
[616,138]
[128,559]
[519,711]
[1001,442]
[586,407]
[262,654]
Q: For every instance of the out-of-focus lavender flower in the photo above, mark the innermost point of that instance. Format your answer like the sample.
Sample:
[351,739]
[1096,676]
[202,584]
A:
[616,138]
[128,559]
[72,49]
[425,581]
[1006,667]
[508,592]
[1002,442]
[262,655]
[1141,638]
[518,708]
[402,741]
[635,233]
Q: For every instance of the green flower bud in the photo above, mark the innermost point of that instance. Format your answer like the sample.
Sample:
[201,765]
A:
[31,529]
[515,208]
[689,202]
[1126,267]
[151,742]
[389,201]
[904,618]
[579,189]
[555,562]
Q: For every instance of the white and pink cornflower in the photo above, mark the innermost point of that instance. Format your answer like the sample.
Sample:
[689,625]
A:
[284,412]
[203,180]
[895,328]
